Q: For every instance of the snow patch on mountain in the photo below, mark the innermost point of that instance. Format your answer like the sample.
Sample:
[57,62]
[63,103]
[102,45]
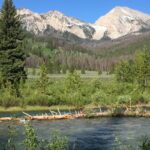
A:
[118,22]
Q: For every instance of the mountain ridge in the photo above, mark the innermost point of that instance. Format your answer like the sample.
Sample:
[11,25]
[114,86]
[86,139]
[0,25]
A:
[118,22]
[121,21]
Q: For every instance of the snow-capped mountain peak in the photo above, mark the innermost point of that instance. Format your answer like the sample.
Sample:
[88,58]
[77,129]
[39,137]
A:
[118,22]
[121,21]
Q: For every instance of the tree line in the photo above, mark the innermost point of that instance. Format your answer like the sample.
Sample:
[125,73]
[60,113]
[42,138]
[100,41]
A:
[136,71]
[61,59]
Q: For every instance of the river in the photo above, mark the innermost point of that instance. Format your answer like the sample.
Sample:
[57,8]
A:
[88,134]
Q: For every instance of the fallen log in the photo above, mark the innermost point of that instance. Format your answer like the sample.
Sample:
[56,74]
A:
[6,119]
[26,114]
[77,116]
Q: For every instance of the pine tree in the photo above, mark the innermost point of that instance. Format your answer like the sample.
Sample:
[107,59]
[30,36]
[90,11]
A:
[125,72]
[142,62]
[12,57]
[43,80]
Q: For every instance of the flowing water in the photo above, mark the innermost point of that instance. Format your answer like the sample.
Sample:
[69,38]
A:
[87,134]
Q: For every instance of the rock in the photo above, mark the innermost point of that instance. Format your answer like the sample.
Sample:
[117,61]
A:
[119,22]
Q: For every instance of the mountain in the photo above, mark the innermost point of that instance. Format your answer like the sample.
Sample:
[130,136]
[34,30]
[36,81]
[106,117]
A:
[55,22]
[119,22]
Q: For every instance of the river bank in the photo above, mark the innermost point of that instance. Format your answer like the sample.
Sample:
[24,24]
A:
[66,107]
[34,108]
[78,115]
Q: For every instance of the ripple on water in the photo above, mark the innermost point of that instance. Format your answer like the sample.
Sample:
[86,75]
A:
[88,134]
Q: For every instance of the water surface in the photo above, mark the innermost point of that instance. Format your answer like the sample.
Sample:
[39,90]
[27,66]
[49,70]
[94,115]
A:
[88,134]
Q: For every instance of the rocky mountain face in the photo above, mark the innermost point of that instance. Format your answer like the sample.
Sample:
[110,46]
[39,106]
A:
[54,22]
[119,22]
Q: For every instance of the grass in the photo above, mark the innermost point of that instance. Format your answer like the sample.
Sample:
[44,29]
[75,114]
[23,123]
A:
[88,74]
[37,95]
[35,108]
[56,107]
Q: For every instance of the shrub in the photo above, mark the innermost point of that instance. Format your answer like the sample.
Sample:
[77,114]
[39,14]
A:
[8,97]
[74,98]
[10,144]
[145,144]
[99,98]
[124,99]
[31,141]
[38,99]
[58,142]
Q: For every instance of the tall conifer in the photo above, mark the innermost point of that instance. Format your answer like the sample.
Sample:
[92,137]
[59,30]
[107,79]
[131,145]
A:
[12,57]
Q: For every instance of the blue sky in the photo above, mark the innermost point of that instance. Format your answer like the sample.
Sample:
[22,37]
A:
[86,10]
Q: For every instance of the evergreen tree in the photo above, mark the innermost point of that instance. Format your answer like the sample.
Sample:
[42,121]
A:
[125,72]
[142,63]
[73,81]
[12,57]
[43,80]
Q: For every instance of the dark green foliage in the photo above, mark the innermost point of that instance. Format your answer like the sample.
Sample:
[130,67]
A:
[10,145]
[125,72]
[142,63]
[73,81]
[43,80]
[8,97]
[136,71]
[58,142]
[31,141]
[145,144]
[12,57]
[72,93]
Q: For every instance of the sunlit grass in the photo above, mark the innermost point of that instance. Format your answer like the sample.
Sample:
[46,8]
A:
[35,108]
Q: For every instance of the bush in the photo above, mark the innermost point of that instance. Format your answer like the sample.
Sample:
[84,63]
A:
[8,101]
[137,98]
[124,99]
[38,99]
[58,142]
[74,98]
[8,97]
[99,98]
[145,144]
[32,142]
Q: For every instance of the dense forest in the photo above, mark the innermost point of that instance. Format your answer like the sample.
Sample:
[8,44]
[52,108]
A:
[60,56]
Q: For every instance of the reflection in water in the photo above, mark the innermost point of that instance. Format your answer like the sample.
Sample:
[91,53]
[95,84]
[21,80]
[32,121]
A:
[88,134]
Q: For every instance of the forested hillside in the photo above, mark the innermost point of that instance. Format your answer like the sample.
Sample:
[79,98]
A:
[61,56]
